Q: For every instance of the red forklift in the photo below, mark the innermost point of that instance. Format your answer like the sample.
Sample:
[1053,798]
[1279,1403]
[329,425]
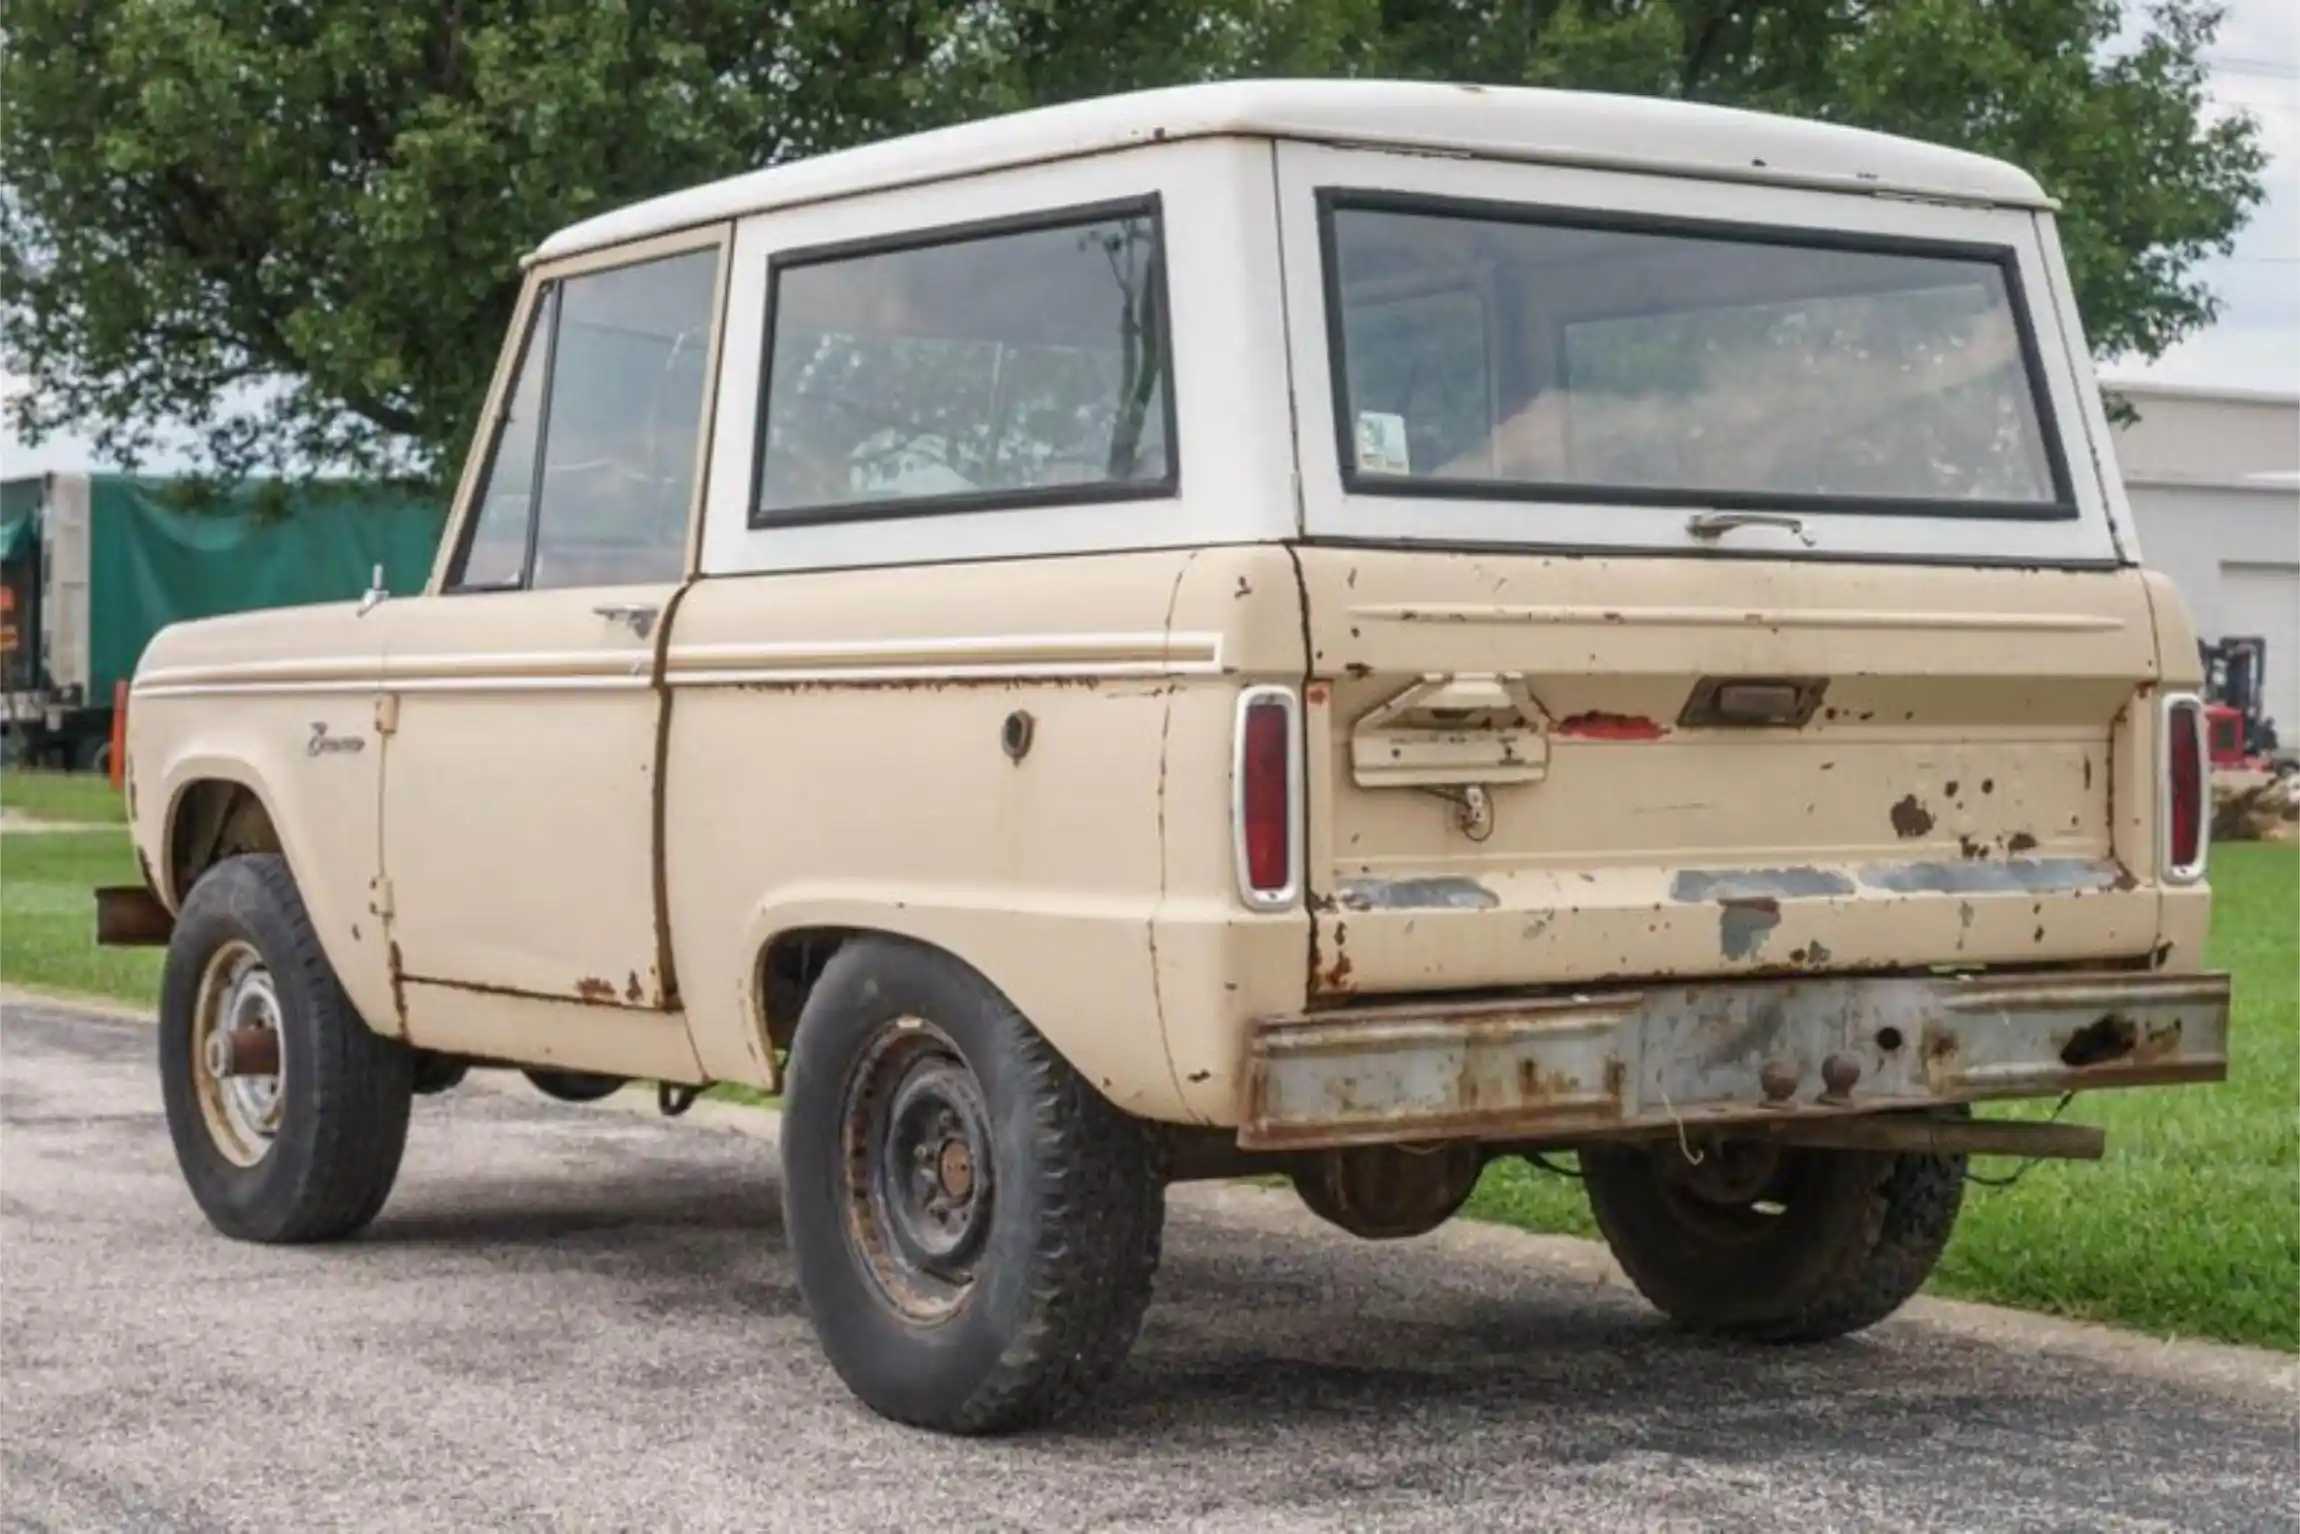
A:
[2239,737]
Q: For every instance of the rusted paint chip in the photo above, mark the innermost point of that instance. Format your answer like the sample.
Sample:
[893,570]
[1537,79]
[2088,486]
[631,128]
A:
[1744,924]
[1442,893]
[1603,726]
[1694,884]
[2021,875]
[1911,819]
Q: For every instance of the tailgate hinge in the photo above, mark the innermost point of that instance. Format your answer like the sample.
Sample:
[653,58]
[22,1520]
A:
[387,713]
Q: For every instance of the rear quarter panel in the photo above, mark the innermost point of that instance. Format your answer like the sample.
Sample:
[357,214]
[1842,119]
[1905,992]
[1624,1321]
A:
[837,760]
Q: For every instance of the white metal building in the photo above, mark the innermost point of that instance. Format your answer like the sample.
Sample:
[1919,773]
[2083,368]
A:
[2214,479]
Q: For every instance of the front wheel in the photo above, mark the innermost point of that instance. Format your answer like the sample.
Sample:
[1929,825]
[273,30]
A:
[288,1113]
[974,1228]
[1771,1243]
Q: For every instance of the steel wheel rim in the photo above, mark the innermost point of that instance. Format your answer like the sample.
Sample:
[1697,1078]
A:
[919,1174]
[1738,1215]
[243,1111]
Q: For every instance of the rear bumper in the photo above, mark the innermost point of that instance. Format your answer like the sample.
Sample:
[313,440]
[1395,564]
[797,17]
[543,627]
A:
[1623,1063]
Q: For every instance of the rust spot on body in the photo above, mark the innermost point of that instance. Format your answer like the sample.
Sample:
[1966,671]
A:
[398,983]
[2020,841]
[1743,924]
[591,988]
[1911,819]
[1603,726]
[633,991]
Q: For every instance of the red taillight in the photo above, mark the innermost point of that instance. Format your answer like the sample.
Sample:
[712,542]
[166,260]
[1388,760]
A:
[2187,790]
[1265,790]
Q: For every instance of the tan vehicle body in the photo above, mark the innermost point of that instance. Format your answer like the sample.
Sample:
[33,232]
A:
[613,828]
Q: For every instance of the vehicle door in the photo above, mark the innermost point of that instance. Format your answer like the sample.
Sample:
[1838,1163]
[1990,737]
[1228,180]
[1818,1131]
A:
[519,815]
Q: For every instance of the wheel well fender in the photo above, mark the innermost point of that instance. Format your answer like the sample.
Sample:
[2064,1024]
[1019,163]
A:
[1085,982]
[210,819]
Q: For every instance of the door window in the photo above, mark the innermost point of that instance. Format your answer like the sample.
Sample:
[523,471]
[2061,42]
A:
[593,476]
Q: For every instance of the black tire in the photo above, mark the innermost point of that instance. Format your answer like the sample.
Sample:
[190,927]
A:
[575,1086]
[1856,1234]
[342,1092]
[1051,1272]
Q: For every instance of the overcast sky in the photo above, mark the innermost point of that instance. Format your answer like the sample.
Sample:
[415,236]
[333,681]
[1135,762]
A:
[2255,344]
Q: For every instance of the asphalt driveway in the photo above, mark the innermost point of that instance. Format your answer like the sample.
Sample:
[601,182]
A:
[584,1318]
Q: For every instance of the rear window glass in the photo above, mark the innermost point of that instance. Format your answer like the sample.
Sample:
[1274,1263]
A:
[1019,364]
[1513,352]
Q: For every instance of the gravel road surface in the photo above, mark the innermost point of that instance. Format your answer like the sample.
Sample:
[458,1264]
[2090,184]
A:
[584,1318]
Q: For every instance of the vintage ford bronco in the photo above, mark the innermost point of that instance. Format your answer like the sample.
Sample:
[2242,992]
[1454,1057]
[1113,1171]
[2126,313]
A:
[1344,630]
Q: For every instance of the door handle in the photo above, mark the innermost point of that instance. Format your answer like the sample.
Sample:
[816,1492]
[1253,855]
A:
[638,617]
[1716,524]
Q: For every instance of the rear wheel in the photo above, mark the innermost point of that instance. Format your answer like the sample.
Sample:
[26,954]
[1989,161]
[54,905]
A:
[1771,1243]
[974,1228]
[287,1112]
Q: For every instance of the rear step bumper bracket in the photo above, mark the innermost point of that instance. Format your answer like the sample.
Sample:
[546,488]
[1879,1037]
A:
[1626,1063]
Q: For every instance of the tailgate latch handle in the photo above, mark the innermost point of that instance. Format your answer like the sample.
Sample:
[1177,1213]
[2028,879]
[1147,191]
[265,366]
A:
[1452,731]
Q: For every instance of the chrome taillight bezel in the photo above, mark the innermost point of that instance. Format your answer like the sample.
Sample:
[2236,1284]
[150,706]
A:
[1285,896]
[2170,871]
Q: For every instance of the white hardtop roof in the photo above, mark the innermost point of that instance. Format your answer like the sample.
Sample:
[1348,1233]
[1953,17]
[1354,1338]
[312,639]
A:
[1557,127]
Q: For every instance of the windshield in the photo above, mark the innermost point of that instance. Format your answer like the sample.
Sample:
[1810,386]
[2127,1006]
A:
[1493,351]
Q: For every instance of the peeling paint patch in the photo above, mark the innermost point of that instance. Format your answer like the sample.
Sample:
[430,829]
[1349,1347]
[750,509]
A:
[1744,924]
[1911,819]
[1749,883]
[1442,893]
[2032,875]
[1603,726]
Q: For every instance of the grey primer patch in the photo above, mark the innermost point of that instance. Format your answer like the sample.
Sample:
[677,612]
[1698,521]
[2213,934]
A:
[1743,925]
[2018,875]
[1454,894]
[1748,883]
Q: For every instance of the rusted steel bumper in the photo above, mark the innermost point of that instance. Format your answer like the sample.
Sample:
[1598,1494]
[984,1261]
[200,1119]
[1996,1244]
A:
[131,916]
[1622,1063]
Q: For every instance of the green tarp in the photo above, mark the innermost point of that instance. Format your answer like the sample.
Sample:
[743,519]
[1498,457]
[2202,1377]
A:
[154,560]
[20,517]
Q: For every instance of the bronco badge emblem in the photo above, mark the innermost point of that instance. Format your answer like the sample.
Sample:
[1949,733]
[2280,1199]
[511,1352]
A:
[323,744]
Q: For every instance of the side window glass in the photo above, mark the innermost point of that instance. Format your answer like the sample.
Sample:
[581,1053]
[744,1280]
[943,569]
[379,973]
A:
[495,551]
[625,422]
[968,370]
[1421,381]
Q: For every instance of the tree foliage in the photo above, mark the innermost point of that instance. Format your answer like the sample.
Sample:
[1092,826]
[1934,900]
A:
[296,228]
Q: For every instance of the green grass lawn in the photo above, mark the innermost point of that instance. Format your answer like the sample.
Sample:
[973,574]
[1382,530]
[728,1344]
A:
[2191,1226]
[68,796]
[48,915]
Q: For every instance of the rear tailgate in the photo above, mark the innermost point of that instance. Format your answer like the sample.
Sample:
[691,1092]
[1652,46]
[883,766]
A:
[1531,770]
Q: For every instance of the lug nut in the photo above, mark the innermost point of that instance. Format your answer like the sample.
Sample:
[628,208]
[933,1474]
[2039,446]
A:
[1779,1081]
[1839,1075]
